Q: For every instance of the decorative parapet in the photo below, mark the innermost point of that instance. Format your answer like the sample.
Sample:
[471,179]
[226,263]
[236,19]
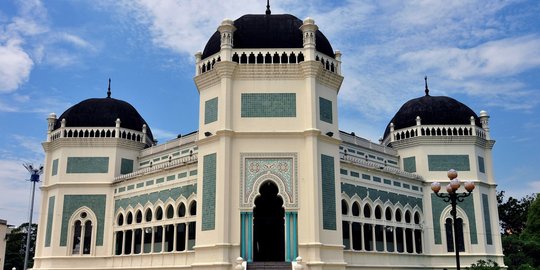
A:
[435,130]
[377,166]
[269,56]
[99,132]
[163,166]
[186,139]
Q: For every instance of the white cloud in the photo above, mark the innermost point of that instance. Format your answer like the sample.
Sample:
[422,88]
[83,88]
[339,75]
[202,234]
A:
[15,66]
[163,135]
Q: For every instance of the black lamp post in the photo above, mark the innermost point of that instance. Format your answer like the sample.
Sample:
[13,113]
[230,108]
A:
[34,178]
[453,197]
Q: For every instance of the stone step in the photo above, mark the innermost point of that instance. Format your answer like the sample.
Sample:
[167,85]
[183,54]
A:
[269,266]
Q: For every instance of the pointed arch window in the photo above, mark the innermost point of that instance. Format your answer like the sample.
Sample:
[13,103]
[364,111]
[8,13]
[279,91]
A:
[448,226]
[82,232]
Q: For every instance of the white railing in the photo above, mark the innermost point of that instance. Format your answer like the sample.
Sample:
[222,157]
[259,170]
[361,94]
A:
[435,130]
[175,143]
[353,139]
[99,132]
[373,165]
[166,165]
[268,56]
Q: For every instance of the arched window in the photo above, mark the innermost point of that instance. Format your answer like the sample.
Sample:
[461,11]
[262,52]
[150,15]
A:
[378,212]
[344,207]
[407,216]
[448,225]
[170,211]
[367,211]
[181,210]
[148,215]
[159,213]
[138,216]
[356,209]
[193,208]
[120,220]
[416,218]
[129,218]
[398,215]
[388,213]
[82,232]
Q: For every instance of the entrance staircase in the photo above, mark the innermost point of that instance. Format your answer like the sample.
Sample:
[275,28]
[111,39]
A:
[269,266]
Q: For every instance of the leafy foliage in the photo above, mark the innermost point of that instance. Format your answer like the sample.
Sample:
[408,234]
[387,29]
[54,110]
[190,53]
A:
[513,213]
[520,223]
[484,265]
[16,247]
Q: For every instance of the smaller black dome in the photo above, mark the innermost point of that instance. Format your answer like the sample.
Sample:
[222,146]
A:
[103,112]
[438,110]
[268,31]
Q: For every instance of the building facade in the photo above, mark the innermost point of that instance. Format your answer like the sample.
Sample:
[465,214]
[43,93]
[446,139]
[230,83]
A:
[268,176]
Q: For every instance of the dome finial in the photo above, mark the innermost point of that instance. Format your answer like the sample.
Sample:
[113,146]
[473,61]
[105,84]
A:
[268,12]
[109,89]
[427,89]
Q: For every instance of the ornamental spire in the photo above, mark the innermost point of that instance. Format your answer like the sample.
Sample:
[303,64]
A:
[427,89]
[268,12]
[109,89]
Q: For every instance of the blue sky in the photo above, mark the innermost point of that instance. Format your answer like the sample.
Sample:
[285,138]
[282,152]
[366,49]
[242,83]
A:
[54,54]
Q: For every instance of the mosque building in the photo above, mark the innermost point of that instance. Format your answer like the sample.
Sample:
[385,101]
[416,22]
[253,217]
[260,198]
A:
[268,179]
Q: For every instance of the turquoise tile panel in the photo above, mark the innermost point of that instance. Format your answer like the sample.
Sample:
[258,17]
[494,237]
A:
[438,206]
[209,192]
[366,177]
[487,219]
[384,196]
[447,162]
[130,187]
[54,169]
[160,180]
[87,165]
[50,215]
[192,173]
[343,171]
[171,177]
[328,187]
[481,166]
[153,197]
[126,166]
[140,185]
[325,109]
[377,179]
[355,174]
[182,174]
[211,110]
[409,164]
[96,203]
[268,105]
[149,182]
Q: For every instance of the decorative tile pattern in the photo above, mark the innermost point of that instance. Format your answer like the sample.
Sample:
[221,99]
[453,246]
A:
[268,105]
[384,196]
[126,166]
[96,202]
[438,205]
[409,164]
[50,215]
[487,219]
[210,110]
[481,166]
[328,187]
[87,165]
[163,195]
[279,168]
[325,109]
[209,192]
[447,162]
[54,169]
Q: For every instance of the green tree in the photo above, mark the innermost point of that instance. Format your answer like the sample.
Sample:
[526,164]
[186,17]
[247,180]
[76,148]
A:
[484,265]
[16,247]
[513,212]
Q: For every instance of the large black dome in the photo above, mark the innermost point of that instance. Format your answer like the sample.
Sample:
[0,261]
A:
[438,110]
[267,31]
[103,112]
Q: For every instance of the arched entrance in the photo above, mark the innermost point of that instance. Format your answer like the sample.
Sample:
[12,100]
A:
[268,225]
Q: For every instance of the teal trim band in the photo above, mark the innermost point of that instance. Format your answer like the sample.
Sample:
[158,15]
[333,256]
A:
[50,215]
[487,219]
[287,237]
[250,237]
[295,241]
[243,236]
